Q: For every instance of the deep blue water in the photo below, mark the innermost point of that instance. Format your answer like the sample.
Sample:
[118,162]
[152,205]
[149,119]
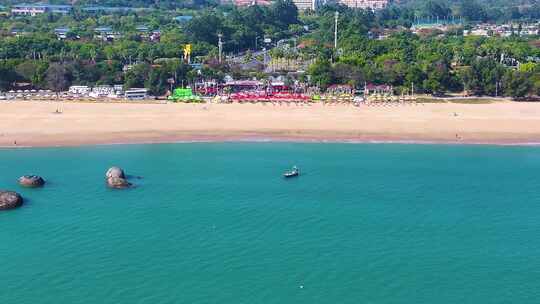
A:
[216,223]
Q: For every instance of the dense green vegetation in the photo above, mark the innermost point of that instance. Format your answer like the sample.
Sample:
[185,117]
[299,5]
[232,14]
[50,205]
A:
[162,4]
[94,61]
[475,10]
[433,62]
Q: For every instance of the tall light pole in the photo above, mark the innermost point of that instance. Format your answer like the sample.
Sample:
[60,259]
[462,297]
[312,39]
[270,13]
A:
[220,46]
[336,16]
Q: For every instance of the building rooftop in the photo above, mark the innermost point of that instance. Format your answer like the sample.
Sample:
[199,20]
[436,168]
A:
[243,83]
[103,29]
[112,8]
[42,5]
[183,18]
[142,28]
[252,2]
[62,30]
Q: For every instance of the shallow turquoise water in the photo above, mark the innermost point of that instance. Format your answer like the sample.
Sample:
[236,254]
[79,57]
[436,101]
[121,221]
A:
[216,223]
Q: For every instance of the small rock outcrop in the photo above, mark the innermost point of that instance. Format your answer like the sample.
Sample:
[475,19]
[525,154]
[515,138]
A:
[10,200]
[116,178]
[115,172]
[31,181]
[118,183]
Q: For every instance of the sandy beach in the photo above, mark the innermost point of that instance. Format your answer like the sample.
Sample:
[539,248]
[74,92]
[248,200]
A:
[24,124]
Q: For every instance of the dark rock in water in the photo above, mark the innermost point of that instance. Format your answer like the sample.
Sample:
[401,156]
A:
[116,178]
[32,181]
[115,172]
[118,182]
[10,200]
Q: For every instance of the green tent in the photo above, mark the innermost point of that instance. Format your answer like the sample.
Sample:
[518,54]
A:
[184,95]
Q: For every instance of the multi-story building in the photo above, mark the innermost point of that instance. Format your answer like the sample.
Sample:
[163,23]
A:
[365,4]
[252,2]
[36,9]
[61,32]
[27,9]
[306,4]
[106,33]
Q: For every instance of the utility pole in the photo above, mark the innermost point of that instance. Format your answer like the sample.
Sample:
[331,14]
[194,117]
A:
[220,46]
[335,29]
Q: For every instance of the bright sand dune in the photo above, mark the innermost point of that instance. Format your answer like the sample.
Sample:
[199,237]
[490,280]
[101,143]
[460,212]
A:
[34,124]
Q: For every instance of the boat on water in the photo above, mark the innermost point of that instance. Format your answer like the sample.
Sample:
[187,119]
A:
[293,173]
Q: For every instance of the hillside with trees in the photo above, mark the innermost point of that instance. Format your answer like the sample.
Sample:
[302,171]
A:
[434,63]
[373,47]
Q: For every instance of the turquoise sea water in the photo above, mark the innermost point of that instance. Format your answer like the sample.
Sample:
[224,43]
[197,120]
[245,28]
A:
[216,223]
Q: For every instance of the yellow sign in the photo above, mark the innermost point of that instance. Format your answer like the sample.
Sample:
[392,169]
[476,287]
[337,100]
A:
[187,51]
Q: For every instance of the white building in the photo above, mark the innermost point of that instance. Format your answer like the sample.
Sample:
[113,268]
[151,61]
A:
[27,10]
[365,4]
[478,32]
[36,9]
[102,91]
[118,89]
[106,33]
[136,94]
[61,32]
[79,90]
[306,4]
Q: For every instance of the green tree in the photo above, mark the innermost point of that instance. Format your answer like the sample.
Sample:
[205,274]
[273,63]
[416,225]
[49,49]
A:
[57,77]
[136,77]
[7,76]
[517,84]
[205,27]
[321,73]
[32,71]
[284,12]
